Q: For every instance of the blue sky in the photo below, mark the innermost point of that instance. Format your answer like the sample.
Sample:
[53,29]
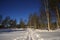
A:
[18,9]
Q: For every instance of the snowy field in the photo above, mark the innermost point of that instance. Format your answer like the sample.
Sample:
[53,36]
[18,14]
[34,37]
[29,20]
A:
[29,34]
[12,34]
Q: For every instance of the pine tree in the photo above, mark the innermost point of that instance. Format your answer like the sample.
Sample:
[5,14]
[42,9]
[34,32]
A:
[22,24]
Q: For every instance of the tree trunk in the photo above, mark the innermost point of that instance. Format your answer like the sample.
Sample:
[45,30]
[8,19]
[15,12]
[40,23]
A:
[47,13]
[30,24]
[48,19]
[57,13]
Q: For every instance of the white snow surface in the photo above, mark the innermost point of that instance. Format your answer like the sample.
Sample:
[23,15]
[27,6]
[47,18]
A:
[29,34]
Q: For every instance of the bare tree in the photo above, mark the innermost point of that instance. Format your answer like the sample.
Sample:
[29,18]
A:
[47,13]
[53,4]
[57,13]
[30,21]
[33,21]
[43,19]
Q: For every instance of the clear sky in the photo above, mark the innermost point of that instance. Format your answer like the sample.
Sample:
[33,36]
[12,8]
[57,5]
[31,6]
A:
[18,9]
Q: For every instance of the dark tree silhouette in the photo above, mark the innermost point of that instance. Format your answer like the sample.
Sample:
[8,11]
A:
[0,21]
[22,24]
[13,23]
[0,18]
[6,21]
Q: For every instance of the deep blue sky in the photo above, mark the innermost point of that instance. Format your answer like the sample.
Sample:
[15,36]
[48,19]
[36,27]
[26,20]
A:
[19,8]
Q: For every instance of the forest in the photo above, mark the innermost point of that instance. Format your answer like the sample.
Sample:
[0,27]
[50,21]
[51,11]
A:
[49,17]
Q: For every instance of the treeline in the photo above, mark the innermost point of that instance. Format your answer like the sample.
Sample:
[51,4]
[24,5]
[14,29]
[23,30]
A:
[48,18]
[10,23]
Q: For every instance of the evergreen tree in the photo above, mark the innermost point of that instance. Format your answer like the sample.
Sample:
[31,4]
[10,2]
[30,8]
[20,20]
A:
[22,24]
[6,22]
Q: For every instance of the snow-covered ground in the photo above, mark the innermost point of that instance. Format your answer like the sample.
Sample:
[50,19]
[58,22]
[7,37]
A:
[29,34]
[57,30]
[12,34]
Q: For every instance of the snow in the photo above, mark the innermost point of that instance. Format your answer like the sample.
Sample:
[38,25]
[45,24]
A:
[28,34]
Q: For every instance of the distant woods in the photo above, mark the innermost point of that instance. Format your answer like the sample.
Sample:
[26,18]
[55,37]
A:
[48,18]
